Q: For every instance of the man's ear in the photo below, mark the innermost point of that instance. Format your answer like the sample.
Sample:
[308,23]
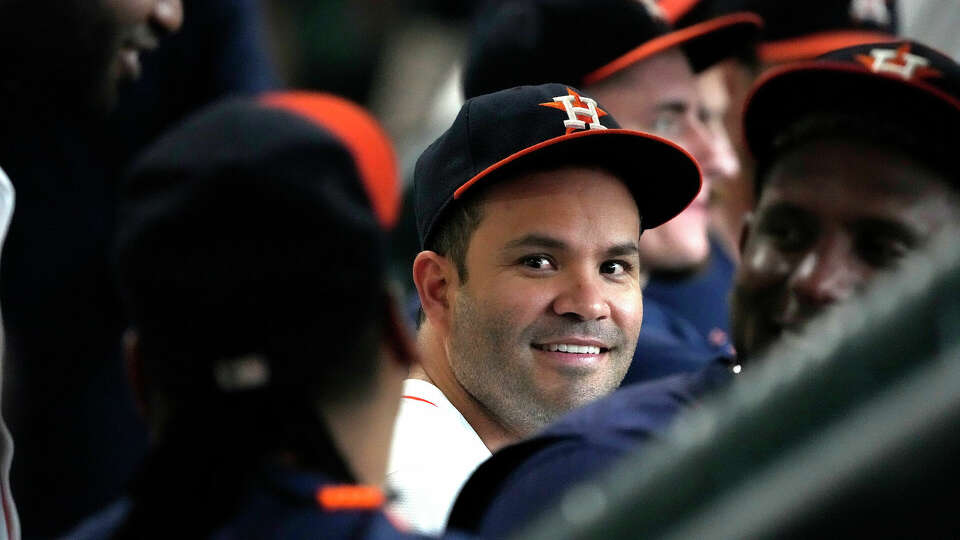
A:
[435,277]
[745,231]
[134,362]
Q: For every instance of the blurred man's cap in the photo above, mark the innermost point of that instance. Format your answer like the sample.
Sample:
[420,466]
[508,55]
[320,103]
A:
[798,29]
[251,224]
[904,84]
[581,42]
[544,127]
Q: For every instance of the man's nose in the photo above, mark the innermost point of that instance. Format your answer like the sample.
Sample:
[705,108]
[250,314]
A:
[827,274]
[707,148]
[583,298]
[168,15]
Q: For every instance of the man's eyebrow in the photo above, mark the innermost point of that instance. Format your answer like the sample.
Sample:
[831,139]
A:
[621,250]
[901,231]
[679,107]
[535,240]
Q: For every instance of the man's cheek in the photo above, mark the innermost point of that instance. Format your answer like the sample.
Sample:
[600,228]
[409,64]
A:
[763,265]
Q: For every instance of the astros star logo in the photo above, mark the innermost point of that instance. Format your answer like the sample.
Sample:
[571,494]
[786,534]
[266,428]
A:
[582,112]
[900,62]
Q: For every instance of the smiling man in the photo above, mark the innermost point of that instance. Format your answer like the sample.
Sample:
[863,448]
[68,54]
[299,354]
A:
[61,65]
[529,210]
[844,195]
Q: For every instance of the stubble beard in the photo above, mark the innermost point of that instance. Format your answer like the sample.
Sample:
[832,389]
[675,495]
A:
[494,364]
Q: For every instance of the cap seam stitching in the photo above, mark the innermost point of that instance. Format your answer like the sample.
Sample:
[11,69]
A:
[473,167]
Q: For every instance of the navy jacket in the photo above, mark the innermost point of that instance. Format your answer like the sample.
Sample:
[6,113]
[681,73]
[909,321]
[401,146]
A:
[522,480]
[685,322]
[703,299]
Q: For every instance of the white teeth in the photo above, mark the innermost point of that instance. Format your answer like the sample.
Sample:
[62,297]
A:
[573,349]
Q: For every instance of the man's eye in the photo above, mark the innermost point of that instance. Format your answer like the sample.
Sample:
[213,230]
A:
[615,267]
[667,124]
[787,236]
[881,252]
[537,262]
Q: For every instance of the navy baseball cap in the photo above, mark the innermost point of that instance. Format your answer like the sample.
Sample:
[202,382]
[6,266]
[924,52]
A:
[798,29]
[553,125]
[254,225]
[904,83]
[581,42]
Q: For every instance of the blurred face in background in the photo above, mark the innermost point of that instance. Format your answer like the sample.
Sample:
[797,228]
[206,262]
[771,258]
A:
[659,95]
[137,27]
[77,52]
[723,91]
[832,214]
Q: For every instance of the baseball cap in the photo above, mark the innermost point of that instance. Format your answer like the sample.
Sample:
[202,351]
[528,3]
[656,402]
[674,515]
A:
[581,42]
[256,224]
[553,125]
[798,29]
[904,83]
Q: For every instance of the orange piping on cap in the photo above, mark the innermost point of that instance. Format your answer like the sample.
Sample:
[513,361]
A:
[813,45]
[666,41]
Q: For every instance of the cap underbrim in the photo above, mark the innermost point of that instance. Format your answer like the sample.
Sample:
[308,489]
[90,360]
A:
[663,178]
[814,45]
[783,95]
[704,43]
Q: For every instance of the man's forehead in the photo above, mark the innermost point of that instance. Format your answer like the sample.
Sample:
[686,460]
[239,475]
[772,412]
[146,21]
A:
[663,76]
[869,184]
[853,171]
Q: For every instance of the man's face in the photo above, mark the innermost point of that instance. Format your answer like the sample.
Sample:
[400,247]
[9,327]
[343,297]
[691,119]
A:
[832,215]
[139,26]
[550,312]
[660,95]
[87,48]
[723,92]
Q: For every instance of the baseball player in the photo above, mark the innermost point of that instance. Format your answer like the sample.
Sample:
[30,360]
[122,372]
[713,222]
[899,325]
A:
[529,210]
[855,170]
[63,64]
[265,347]
[644,71]
[791,31]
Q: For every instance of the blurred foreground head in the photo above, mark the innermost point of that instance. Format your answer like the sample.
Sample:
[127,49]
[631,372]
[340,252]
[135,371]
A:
[251,257]
[856,168]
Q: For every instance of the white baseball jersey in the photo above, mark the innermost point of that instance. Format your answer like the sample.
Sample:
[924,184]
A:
[9,522]
[433,453]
